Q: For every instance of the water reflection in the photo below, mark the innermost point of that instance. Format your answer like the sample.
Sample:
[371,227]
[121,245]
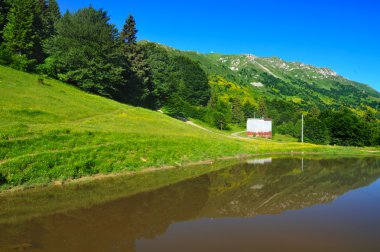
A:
[250,189]
[259,161]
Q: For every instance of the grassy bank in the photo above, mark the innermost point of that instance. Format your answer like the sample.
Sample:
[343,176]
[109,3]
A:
[53,131]
[21,205]
[18,206]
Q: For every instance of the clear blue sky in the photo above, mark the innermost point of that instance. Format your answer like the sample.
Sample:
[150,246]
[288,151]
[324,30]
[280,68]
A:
[342,35]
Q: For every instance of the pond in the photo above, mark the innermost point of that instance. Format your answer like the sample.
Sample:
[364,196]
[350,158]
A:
[267,204]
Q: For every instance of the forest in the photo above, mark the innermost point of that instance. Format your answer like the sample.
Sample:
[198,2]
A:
[86,50]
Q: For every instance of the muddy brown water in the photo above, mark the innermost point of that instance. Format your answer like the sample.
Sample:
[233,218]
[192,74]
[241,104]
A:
[279,204]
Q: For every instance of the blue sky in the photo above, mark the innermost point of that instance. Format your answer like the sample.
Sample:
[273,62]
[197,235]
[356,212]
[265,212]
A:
[342,35]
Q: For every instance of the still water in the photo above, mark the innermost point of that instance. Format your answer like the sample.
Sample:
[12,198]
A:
[272,204]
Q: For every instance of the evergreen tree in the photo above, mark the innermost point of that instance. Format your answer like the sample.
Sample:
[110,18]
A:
[262,108]
[128,34]
[220,112]
[50,17]
[4,8]
[47,26]
[297,129]
[53,11]
[237,112]
[42,7]
[138,86]
[22,32]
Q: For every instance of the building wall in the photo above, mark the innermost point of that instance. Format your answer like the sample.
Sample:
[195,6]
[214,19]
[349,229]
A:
[259,127]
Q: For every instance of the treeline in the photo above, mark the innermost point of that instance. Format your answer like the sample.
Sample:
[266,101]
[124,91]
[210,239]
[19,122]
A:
[84,49]
[24,25]
[81,48]
[330,126]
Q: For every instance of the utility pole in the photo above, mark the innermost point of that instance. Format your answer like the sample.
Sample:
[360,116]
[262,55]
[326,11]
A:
[302,130]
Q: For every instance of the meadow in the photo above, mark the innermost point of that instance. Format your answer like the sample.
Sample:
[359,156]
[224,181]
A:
[51,131]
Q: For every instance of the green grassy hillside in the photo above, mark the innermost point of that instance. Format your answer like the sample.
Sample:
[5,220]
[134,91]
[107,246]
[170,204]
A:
[306,85]
[53,131]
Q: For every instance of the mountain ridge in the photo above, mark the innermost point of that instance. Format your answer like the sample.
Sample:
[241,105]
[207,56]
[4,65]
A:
[249,69]
[322,72]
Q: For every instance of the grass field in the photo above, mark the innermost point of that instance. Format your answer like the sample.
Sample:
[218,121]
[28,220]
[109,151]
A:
[53,131]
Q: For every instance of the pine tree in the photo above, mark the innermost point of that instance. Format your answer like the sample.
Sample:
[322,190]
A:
[22,32]
[42,9]
[51,16]
[4,8]
[262,108]
[237,112]
[138,86]
[220,111]
[128,34]
[53,10]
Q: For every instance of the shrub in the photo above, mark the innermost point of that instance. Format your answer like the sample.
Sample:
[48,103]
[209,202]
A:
[47,68]
[5,57]
[21,62]
[3,179]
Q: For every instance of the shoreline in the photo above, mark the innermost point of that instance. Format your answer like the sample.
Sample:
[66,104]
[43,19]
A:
[126,173]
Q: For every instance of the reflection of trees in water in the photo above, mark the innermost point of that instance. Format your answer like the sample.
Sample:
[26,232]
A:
[283,185]
[241,190]
[116,225]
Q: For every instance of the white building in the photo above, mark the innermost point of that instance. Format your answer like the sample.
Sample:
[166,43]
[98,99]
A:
[259,127]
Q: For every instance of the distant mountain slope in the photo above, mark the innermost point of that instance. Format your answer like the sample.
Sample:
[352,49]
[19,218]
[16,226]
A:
[275,78]
[323,85]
